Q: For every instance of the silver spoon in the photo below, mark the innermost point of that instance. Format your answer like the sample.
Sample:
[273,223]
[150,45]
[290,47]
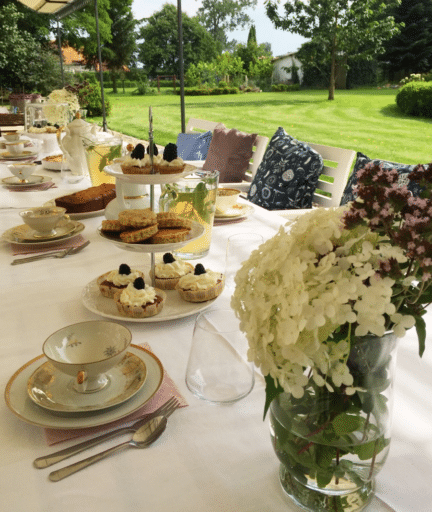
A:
[142,438]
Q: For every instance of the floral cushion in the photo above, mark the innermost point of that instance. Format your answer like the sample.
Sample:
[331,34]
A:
[193,146]
[287,176]
[362,160]
[230,153]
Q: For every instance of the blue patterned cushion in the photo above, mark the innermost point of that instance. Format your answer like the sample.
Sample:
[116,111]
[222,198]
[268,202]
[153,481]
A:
[362,160]
[287,176]
[193,146]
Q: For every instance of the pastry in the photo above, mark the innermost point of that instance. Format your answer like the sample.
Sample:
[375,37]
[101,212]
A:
[172,220]
[170,163]
[137,218]
[112,226]
[168,273]
[113,282]
[139,300]
[169,236]
[89,200]
[137,162]
[138,235]
[200,286]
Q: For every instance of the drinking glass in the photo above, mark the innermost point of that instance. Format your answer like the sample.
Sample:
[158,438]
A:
[218,370]
[70,172]
[101,149]
[193,197]
[239,249]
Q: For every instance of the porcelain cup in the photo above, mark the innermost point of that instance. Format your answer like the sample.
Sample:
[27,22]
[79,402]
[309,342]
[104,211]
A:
[43,219]
[15,148]
[11,136]
[86,351]
[226,198]
[23,171]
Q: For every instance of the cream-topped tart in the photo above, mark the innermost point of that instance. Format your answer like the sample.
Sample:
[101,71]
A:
[139,300]
[200,286]
[170,163]
[116,280]
[168,273]
[138,162]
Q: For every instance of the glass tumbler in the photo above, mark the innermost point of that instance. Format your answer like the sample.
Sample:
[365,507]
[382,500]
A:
[218,370]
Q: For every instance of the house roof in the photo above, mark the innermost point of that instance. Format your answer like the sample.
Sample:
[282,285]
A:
[280,57]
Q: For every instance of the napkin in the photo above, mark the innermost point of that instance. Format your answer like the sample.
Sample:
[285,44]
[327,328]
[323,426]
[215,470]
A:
[21,249]
[31,188]
[164,393]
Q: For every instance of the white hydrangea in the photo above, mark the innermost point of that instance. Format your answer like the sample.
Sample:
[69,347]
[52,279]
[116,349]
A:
[61,106]
[301,285]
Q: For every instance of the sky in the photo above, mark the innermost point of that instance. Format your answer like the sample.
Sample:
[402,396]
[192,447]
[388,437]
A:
[282,42]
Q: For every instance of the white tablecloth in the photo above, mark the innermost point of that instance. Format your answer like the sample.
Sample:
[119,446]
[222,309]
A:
[211,458]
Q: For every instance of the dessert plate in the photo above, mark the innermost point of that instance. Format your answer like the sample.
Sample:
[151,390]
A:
[53,390]
[19,402]
[149,179]
[34,179]
[238,210]
[80,215]
[27,153]
[196,231]
[17,235]
[175,307]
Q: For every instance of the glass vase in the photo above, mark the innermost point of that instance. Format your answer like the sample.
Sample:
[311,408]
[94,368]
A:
[332,443]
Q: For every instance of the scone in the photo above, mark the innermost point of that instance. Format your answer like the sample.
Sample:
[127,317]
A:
[171,163]
[169,236]
[112,282]
[136,236]
[172,220]
[168,273]
[137,218]
[139,300]
[200,286]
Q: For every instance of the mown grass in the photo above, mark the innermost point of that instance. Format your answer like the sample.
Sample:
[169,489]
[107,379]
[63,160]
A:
[365,120]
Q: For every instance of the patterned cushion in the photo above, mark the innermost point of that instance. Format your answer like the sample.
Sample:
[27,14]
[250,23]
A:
[229,153]
[287,176]
[193,146]
[362,160]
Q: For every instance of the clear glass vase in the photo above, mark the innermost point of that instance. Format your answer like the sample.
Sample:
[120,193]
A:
[332,444]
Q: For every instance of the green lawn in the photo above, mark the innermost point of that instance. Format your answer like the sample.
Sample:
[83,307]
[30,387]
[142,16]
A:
[365,120]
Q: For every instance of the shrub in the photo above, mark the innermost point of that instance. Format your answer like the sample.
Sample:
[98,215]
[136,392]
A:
[222,84]
[90,97]
[414,77]
[285,87]
[415,98]
[207,91]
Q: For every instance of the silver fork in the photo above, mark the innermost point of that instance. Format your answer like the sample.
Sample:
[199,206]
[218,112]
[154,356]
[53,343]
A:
[48,460]
[56,254]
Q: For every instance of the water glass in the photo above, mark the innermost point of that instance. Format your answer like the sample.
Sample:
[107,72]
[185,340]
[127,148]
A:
[101,149]
[218,370]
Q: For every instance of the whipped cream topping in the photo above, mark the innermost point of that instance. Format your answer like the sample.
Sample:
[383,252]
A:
[177,162]
[122,279]
[175,269]
[137,162]
[130,296]
[201,282]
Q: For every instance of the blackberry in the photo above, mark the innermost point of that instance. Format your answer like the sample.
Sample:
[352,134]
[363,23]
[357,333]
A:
[168,258]
[124,269]
[139,283]
[170,152]
[155,150]
[199,269]
[138,152]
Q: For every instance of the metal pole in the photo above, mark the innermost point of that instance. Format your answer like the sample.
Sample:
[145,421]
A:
[181,65]
[104,123]
[60,52]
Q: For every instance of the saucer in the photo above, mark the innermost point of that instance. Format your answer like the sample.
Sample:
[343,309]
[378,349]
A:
[7,155]
[18,234]
[51,389]
[33,179]
[238,210]
[61,230]
[19,402]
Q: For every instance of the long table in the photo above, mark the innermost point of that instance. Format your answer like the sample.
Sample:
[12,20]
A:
[210,458]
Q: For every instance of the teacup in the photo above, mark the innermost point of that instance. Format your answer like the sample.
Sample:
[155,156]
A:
[226,198]
[86,351]
[43,219]
[23,171]
[11,136]
[15,148]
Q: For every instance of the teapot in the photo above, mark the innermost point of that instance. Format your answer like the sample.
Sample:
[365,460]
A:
[72,145]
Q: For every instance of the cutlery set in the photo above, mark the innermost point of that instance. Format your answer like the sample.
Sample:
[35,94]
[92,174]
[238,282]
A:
[54,254]
[145,431]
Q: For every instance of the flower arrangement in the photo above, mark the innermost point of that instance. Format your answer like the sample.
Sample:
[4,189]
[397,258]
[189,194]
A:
[364,268]
[62,105]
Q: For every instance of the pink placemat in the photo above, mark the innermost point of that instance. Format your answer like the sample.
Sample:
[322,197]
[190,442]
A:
[167,389]
[21,249]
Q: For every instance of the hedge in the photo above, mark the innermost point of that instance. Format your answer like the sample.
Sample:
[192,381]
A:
[415,98]
[196,91]
[285,87]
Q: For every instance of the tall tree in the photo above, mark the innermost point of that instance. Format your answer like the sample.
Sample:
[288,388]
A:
[160,49]
[252,36]
[222,16]
[410,51]
[342,28]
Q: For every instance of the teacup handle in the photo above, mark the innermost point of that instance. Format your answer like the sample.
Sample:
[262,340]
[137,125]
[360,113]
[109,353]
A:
[81,381]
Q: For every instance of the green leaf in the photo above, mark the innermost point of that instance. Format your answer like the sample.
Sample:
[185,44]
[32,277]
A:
[323,478]
[345,423]
[272,392]
[368,450]
[325,455]
[420,326]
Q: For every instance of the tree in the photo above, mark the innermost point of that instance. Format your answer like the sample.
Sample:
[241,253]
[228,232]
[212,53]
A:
[160,49]
[341,28]
[222,16]
[410,51]
[252,36]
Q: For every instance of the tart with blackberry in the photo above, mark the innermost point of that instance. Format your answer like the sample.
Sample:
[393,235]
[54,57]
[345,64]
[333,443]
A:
[168,273]
[171,163]
[137,162]
[201,285]
[115,281]
[139,300]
